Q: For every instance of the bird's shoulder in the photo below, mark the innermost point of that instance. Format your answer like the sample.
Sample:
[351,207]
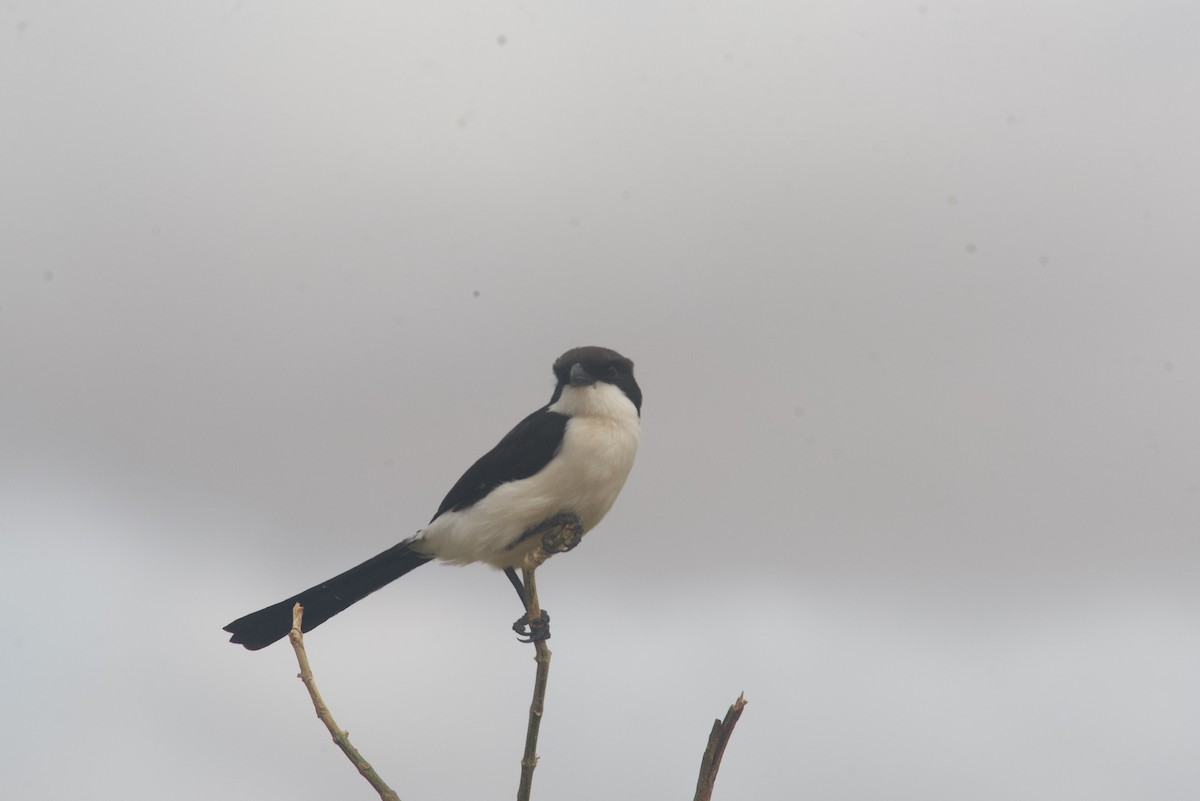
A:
[523,451]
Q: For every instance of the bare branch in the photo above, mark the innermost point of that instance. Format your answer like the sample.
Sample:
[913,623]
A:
[542,657]
[717,740]
[339,736]
[560,533]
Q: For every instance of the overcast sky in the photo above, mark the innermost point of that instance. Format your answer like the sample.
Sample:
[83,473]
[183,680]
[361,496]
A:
[913,290]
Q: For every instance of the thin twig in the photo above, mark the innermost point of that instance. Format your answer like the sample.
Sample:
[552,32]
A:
[339,736]
[717,740]
[560,533]
[542,657]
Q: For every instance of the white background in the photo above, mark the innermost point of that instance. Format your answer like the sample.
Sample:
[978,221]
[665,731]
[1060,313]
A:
[912,289]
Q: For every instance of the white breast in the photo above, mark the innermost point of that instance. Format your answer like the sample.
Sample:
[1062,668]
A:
[584,478]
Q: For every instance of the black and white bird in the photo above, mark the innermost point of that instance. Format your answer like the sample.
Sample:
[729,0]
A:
[571,457]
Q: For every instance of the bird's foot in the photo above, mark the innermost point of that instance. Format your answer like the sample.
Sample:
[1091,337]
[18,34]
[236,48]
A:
[532,631]
[559,533]
[562,533]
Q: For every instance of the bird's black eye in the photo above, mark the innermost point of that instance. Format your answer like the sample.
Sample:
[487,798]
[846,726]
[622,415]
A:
[611,371]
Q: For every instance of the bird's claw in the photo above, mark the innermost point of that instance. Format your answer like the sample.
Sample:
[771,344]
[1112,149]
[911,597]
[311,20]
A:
[532,631]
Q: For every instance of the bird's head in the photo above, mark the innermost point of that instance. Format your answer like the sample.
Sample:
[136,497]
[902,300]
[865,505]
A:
[586,372]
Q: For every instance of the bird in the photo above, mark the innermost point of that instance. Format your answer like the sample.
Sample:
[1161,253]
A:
[566,461]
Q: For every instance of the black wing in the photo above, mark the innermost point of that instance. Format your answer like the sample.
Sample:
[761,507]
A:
[524,451]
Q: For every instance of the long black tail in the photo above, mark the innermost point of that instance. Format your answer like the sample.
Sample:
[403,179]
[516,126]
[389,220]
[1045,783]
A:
[260,629]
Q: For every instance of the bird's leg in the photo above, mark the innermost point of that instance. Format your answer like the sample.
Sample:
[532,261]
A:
[522,626]
[534,625]
[517,585]
[559,533]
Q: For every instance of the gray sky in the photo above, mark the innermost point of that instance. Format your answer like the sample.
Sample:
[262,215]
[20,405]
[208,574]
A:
[912,289]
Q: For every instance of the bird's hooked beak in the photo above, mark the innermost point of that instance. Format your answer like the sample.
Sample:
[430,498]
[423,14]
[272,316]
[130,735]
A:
[581,377]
